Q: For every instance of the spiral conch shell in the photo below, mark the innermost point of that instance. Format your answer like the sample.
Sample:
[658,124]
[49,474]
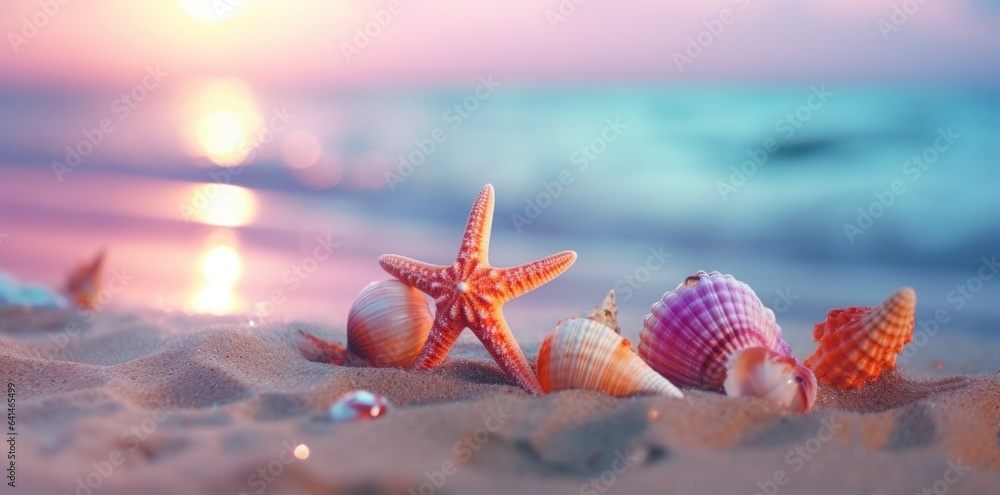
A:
[857,343]
[712,332]
[588,353]
[387,326]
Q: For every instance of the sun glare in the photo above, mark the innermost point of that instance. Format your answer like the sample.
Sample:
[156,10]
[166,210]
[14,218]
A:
[212,10]
[223,119]
[223,136]
[222,205]
[221,265]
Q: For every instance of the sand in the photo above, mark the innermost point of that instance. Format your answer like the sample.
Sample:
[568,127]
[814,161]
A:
[152,403]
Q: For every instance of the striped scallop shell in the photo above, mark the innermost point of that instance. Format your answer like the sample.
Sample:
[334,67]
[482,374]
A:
[691,334]
[388,324]
[857,343]
[587,353]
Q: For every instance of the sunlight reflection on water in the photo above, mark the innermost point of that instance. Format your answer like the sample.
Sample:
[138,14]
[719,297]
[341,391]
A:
[221,267]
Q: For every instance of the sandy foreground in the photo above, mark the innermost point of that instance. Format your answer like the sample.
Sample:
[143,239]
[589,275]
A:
[135,403]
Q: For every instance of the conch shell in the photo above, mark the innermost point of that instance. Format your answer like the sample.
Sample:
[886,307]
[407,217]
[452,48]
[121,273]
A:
[857,343]
[588,353]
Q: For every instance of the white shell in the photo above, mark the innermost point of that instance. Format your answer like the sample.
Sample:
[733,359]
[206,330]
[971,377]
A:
[582,353]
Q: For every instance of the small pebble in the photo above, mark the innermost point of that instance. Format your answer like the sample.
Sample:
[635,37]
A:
[359,405]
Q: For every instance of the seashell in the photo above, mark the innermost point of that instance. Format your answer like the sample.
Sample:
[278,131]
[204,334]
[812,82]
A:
[857,343]
[762,372]
[387,326]
[84,284]
[588,353]
[359,405]
[713,333]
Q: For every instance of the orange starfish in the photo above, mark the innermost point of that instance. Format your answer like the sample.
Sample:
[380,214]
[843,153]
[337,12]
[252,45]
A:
[469,294]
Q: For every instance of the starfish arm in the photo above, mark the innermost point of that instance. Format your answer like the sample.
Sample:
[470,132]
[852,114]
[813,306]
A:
[444,333]
[476,241]
[423,276]
[525,278]
[499,341]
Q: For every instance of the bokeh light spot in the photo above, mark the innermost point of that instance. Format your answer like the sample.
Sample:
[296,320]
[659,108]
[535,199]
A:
[302,451]
[323,174]
[300,149]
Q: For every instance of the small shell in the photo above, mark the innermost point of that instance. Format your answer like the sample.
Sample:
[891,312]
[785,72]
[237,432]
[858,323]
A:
[359,405]
[691,334]
[587,353]
[84,284]
[712,332]
[857,343]
[761,372]
[387,326]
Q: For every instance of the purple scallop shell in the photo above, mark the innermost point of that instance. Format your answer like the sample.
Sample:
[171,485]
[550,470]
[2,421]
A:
[690,335]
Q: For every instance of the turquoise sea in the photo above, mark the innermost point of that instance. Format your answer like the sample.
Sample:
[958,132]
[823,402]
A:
[819,195]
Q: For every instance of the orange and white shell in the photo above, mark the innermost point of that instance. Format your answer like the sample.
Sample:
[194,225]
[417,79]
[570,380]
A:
[587,353]
[857,343]
[84,284]
[388,324]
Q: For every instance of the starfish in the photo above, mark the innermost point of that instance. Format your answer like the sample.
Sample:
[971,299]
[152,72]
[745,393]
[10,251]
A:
[469,294]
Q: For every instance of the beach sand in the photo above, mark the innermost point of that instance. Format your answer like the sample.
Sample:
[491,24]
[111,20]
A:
[162,404]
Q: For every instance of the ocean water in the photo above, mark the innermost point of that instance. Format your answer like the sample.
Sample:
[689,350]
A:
[817,195]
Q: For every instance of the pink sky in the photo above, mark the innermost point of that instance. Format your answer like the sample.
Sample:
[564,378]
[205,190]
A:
[300,43]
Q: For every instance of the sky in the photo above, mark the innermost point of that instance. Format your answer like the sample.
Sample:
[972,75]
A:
[305,44]
[117,116]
